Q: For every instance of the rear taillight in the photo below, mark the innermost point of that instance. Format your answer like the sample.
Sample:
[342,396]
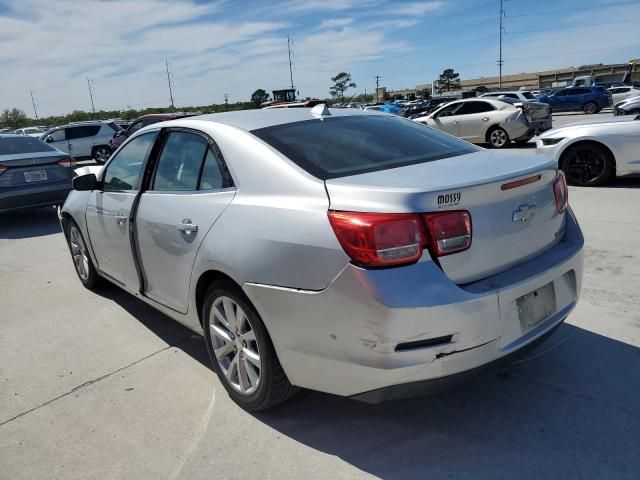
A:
[2,169]
[561,192]
[67,162]
[379,239]
[386,239]
[448,232]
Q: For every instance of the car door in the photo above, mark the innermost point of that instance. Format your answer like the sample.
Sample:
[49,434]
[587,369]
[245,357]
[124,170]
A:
[558,100]
[576,98]
[57,139]
[109,210]
[446,119]
[80,140]
[475,119]
[188,191]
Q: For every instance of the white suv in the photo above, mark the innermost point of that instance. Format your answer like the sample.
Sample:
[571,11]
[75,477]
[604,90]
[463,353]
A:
[83,140]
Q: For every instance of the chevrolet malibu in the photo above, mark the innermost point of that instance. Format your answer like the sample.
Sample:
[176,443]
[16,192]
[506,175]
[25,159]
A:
[354,253]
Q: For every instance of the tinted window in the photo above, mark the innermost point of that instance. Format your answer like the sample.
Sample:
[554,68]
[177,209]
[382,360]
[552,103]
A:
[13,145]
[341,146]
[114,126]
[57,135]
[623,90]
[82,132]
[475,107]
[560,93]
[123,171]
[450,110]
[180,161]
[136,126]
[528,95]
[579,91]
[212,177]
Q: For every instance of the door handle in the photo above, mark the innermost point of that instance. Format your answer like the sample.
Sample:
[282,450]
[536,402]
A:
[485,119]
[187,227]
[120,219]
[454,123]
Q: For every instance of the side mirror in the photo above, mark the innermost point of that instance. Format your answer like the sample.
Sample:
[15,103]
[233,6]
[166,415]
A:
[48,139]
[85,182]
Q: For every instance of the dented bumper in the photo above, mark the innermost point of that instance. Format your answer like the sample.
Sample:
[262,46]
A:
[375,329]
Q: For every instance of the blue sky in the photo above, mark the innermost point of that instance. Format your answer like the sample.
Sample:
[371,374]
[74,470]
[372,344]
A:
[233,47]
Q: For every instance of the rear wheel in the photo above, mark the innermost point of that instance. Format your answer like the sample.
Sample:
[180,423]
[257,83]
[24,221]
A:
[101,154]
[587,164]
[81,259]
[498,137]
[590,108]
[241,351]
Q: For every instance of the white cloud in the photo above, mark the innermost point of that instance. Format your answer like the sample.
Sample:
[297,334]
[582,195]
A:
[335,22]
[415,8]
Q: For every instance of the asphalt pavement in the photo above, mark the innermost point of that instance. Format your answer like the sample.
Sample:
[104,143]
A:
[101,386]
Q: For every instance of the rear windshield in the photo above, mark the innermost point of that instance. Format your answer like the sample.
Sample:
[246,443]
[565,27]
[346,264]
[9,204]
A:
[342,146]
[14,145]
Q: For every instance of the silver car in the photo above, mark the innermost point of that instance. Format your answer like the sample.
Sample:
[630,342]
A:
[345,251]
[83,140]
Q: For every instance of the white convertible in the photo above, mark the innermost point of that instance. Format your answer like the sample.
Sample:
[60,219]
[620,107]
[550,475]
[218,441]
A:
[492,121]
[590,153]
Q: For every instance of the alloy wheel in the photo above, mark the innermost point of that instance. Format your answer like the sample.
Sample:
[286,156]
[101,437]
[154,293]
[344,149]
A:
[102,154]
[234,345]
[584,166]
[79,253]
[498,138]
[590,108]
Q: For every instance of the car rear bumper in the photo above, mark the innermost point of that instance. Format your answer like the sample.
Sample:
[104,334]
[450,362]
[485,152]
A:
[373,329]
[32,196]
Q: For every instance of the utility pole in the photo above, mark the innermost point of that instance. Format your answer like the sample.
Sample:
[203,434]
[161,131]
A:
[93,107]
[35,110]
[377,86]
[289,42]
[500,62]
[226,102]
[166,62]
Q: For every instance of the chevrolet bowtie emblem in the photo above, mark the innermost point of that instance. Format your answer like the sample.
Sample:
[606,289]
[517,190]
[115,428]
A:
[523,213]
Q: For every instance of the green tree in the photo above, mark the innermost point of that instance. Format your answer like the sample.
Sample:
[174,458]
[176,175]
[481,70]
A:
[341,83]
[14,118]
[449,80]
[259,97]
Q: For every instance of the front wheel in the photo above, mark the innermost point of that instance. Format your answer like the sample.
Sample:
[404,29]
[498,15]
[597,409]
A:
[498,137]
[590,108]
[81,259]
[587,165]
[241,351]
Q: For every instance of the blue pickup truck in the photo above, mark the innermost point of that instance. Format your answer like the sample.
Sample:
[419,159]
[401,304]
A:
[575,99]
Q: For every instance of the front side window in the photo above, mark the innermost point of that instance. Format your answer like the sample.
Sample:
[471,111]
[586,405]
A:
[56,135]
[450,110]
[528,95]
[123,171]
[561,93]
[180,162]
[349,145]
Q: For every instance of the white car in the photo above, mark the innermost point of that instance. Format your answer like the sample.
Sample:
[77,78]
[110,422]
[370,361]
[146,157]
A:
[590,153]
[630,106]
[522,95]
[31,131]
[488,120]
[620,94]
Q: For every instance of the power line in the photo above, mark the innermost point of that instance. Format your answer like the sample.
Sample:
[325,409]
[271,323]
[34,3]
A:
[166,62]
[550,12]
[574,27]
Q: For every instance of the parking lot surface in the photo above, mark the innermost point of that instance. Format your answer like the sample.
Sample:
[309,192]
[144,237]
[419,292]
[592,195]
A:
[98,385]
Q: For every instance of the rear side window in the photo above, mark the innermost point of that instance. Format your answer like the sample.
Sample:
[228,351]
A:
[180,162]
[82,132]
[349,145]
[475,107]
[16,145]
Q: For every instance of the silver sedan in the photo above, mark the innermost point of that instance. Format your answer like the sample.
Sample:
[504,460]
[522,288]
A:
[354,253]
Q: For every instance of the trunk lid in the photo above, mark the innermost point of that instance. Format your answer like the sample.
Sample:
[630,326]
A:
[39,167]
[510,225]
[535,110]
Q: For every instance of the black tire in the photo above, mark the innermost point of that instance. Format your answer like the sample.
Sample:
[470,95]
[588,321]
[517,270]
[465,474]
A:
[590,108]
[587,164]
[80,256]
[273,387]
[101,153]
[497,137]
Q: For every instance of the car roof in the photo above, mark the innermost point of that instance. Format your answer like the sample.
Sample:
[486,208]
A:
[255,119]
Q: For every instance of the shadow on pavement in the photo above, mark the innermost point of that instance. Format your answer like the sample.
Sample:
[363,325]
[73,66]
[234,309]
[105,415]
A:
[35,222]
[624,182]
[572,412]
[167,329]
